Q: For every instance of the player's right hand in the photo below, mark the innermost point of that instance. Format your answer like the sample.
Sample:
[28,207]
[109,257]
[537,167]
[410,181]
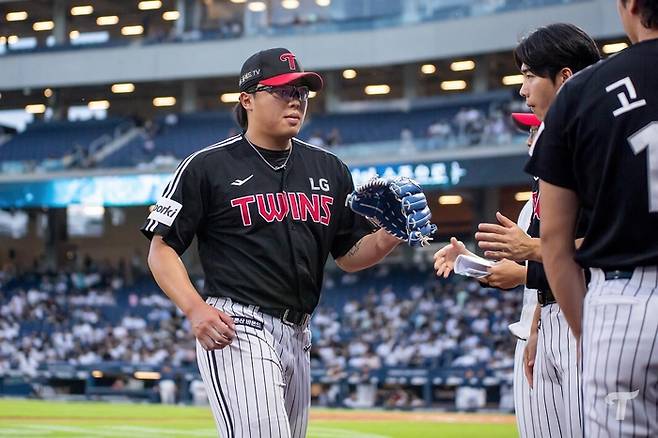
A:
[444,259]
[529,355]
[213,328]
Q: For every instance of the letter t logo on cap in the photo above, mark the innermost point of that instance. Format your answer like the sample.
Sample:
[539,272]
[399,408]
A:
[290,58]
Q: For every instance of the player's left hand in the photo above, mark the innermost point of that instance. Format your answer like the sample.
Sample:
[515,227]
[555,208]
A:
[398,205]
[505,274]
[504,241]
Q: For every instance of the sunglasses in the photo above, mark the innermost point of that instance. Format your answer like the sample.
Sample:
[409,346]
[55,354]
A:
[285,92]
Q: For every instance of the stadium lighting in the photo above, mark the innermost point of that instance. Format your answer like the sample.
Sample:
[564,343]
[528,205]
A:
[614,48]
[522,196]
[349,73]
[513,80]
[48,92]
[290,4]
[97,374]
[323,3]
[170,15]
[164,101]
[74,34]
[36,108]
[147,375]
[123,88]
[12,39]
[82,10]
[257,6]
[107,20]
[453,85]
[43,25]
[98,104]
[372,90]
[132,30]
[450,200]
[462,65]
[149,5]
[16,16]
[428,69]
[230,97]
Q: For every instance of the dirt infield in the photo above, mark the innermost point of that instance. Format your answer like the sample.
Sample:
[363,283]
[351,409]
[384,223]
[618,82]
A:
[423,416]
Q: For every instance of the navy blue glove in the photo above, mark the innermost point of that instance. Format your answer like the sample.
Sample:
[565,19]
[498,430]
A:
[397,205]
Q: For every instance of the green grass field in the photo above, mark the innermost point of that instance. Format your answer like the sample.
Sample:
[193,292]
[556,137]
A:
[26,418]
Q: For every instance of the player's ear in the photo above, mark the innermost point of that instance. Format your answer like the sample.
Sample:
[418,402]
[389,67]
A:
[564,74]
[246,100]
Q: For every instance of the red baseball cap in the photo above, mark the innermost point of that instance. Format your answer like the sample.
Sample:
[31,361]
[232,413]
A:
[525,121]
[276,67]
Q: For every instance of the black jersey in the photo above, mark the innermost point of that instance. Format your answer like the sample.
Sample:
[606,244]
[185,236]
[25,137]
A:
[264,235]
[536,275]
[600,139]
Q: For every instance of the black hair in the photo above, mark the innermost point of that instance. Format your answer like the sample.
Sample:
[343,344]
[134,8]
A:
[240,116]
[648,11]
[551,48]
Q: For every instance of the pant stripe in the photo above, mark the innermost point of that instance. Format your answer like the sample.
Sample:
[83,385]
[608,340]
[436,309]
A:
[244,379]
[593,370]
[646,377]
[235,387]
[521,388]
[554,379]
[214,377]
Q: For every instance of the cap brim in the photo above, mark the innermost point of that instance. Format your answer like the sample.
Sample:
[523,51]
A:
[525,120]
[312,80]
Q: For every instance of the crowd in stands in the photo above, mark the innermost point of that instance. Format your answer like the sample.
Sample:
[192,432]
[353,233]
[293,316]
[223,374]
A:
[88,315]
[422,323]
[385,317]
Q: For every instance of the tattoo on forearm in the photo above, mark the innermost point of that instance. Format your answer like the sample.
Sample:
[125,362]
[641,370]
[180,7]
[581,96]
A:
[354,249]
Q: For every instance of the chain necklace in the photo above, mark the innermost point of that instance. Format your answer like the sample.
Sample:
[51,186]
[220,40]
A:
[275,168]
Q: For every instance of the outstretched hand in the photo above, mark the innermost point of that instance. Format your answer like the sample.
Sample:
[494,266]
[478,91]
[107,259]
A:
[444,259]
[505,240]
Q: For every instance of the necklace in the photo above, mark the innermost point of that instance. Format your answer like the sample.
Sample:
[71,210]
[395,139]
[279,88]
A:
[275,168]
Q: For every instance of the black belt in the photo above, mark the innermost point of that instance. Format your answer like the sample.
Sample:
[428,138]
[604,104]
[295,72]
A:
[545,297]
[288,316]
[617,274]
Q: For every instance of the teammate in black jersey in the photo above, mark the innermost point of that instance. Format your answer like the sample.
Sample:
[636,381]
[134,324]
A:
[598,151]
[267,209]
[547,58]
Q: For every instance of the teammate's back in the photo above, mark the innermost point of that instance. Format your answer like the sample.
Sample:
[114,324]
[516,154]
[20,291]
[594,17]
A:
[613,139]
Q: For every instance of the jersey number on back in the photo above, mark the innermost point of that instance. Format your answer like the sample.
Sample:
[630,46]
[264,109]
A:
[647,138]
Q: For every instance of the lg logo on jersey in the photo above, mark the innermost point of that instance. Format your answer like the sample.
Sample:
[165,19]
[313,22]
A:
[621,398]
[276,206]
[323,184]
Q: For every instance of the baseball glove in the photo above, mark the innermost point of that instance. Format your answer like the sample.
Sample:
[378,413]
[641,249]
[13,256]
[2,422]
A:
[397,205]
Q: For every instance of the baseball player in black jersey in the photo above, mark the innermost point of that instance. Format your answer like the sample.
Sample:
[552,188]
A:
[598,152]
[548,403]
[267,210]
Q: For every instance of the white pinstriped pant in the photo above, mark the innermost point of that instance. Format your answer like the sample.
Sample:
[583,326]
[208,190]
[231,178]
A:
[620,355]
[556,395]
[523,408]
[259,386]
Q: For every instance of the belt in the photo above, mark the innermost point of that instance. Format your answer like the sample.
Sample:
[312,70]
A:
[545,297]
[617,274]
[288,316]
